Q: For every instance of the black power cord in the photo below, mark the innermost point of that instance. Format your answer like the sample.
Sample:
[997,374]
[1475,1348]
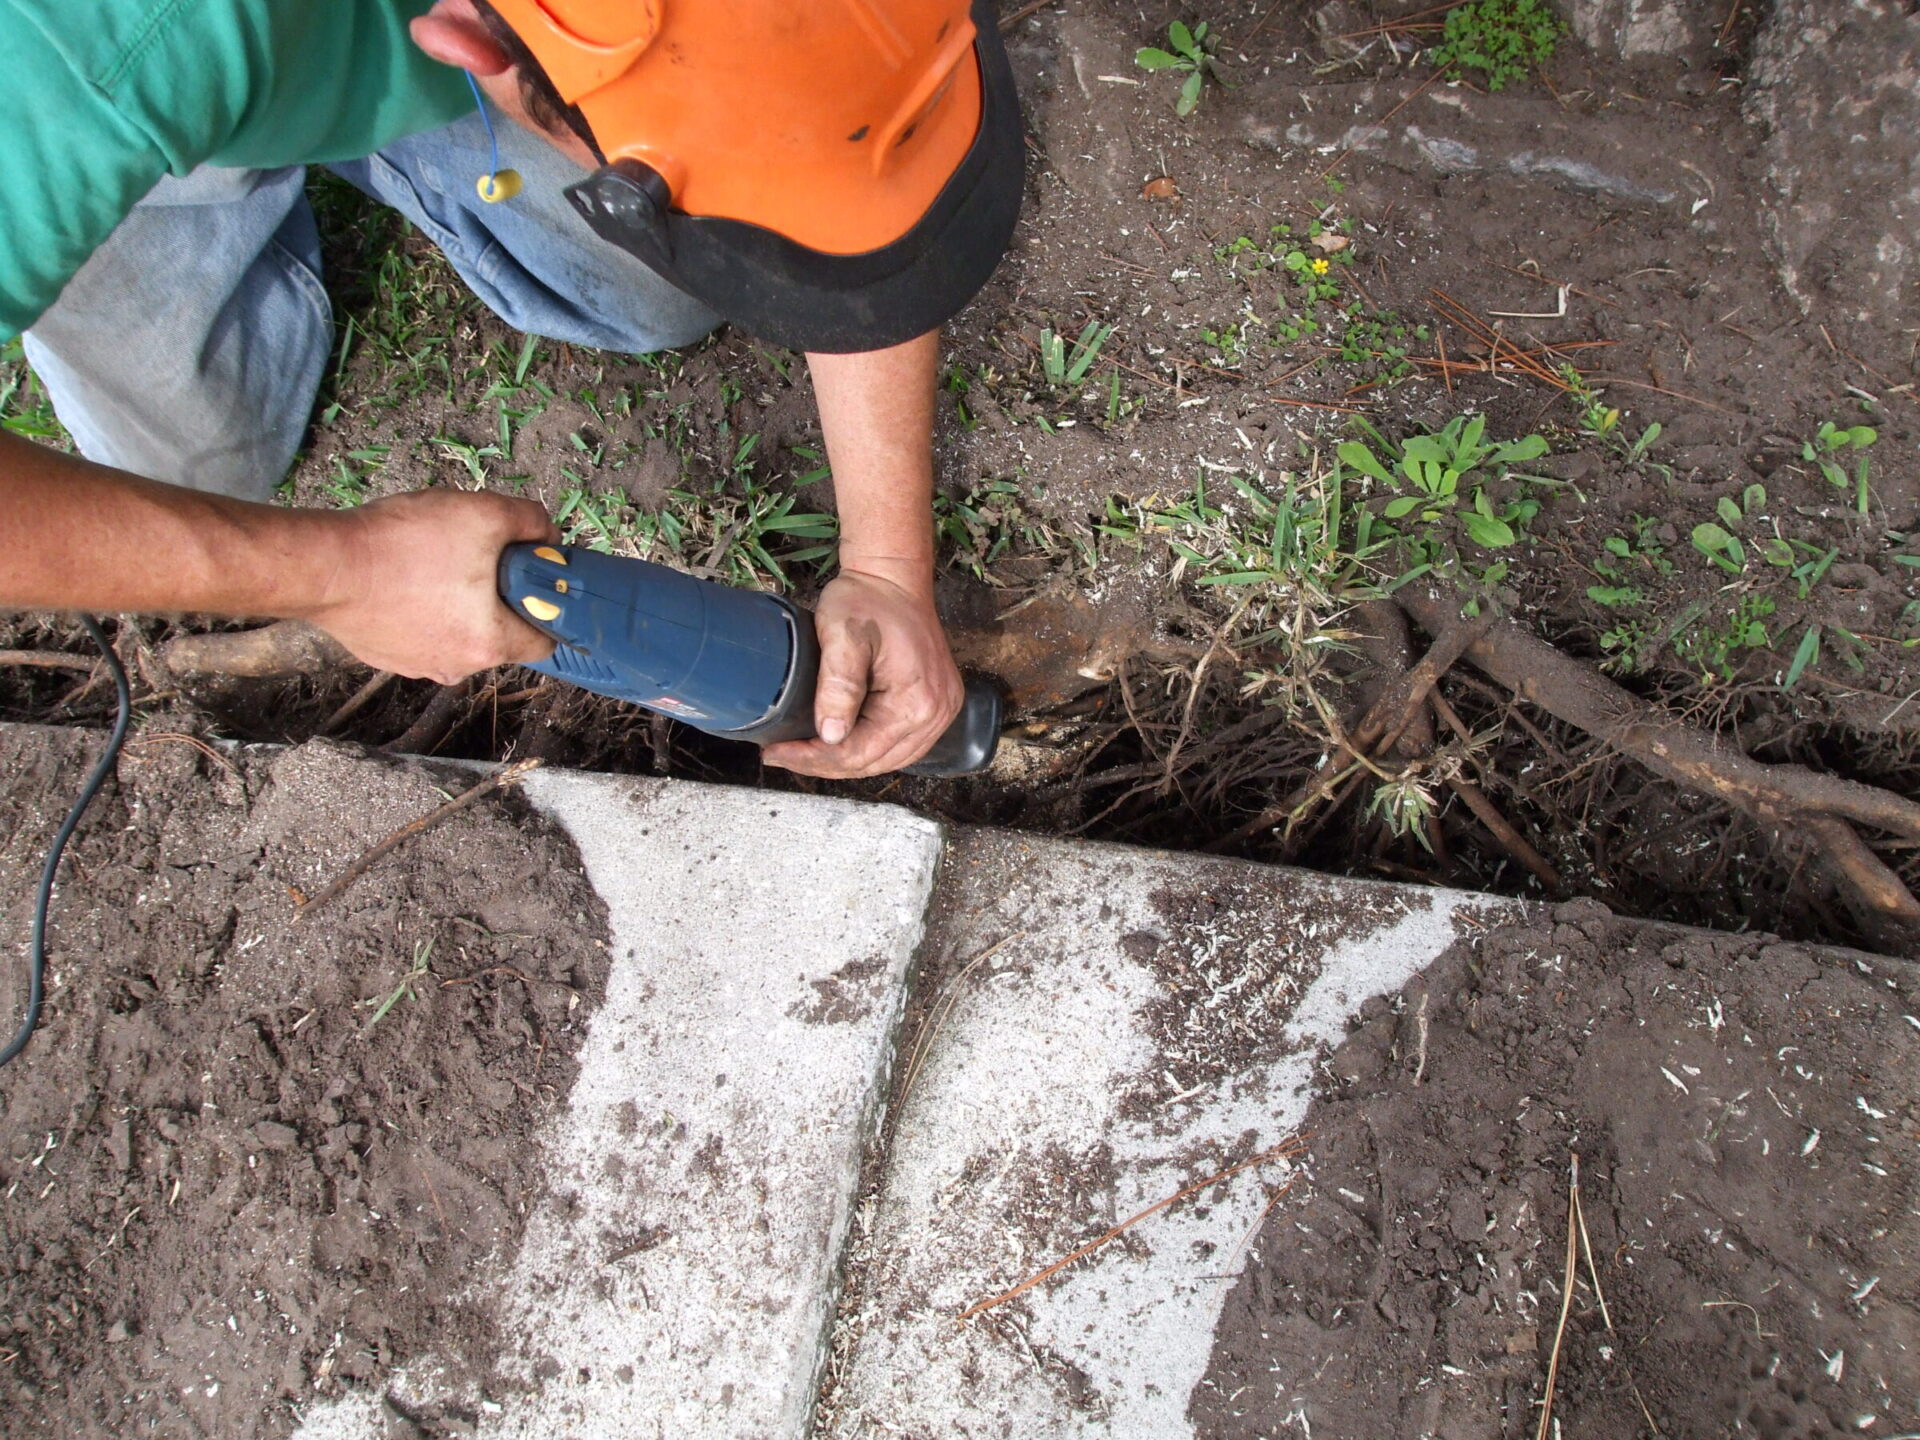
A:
[36,984]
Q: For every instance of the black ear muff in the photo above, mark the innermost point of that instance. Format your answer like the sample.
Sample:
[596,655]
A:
[626,204]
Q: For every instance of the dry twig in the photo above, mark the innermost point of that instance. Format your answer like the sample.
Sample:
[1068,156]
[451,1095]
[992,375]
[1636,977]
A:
[943,1007]
[174,737]
[1568,1279]
[1284,1150]
[500,779]
[48,660]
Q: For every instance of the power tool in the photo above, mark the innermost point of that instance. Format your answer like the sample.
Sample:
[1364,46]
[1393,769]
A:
[737,663]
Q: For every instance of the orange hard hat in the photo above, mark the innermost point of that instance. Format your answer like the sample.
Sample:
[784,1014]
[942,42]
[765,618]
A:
[833,174]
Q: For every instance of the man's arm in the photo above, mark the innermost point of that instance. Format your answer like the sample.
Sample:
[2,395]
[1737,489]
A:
[888,685]
[407,584]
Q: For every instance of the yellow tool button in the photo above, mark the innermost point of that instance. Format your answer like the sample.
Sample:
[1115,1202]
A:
[560,587]
[540,609]
[547,552]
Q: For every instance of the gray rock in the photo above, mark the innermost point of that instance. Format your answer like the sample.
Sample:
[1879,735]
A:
[1835,85]
[1458,131]
[1645,29]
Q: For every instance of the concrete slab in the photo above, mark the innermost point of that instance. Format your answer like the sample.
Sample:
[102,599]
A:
[1136,1022]
[680,1276]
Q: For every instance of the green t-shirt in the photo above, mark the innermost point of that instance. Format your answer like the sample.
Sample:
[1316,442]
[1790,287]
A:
[103,97]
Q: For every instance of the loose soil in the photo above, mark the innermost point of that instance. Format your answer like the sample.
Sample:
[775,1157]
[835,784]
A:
[1744,1121]
[237,1177]
[1735,1248]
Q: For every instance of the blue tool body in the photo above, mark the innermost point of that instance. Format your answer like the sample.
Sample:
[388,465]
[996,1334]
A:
[739,663]
[718,658]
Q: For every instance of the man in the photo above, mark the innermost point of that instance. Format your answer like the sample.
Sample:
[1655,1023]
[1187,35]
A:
[157,252]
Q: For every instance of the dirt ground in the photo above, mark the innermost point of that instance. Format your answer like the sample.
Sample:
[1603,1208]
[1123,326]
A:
[1738,1216]
[1744,1121]
[249,1159]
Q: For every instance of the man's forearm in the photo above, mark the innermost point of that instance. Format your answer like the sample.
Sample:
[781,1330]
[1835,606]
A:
[80,536]
[877,411]
[406,583]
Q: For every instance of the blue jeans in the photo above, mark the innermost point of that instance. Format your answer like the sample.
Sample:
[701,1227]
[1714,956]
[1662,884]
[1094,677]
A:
[190,346]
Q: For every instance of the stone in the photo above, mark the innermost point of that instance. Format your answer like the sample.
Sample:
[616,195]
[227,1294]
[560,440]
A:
[1452,130]
[1835,87]
[1121,1025]
[1646,29]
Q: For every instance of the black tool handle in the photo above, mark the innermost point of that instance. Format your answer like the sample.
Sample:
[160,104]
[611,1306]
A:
[967,746]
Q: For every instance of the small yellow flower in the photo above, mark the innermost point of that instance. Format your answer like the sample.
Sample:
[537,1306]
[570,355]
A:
[1320,267]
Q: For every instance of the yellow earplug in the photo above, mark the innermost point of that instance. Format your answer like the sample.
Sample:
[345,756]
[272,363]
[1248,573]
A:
[501,185]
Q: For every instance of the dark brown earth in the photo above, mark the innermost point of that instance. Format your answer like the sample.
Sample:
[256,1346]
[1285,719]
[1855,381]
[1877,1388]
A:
[1129,211]
[1745,1119]
[232,1183]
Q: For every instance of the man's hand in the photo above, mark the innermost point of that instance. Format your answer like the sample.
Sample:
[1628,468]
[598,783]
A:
[888,686]
[415,591]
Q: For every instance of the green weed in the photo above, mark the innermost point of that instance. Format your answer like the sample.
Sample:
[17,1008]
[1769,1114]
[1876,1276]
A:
[1446,473]
[1717,541]
[1189,50]
[742,531]
[993,522]
[1806,565]
[422,954]
[1825,450]
[25,408]
[1624,564]
[1405,803]
[1500,41]
[1711,641]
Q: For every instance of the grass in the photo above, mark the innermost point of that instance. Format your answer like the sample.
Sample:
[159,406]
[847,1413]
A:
[1288,556]
[1066,368]
[25,408]
[994,521]
[422,955]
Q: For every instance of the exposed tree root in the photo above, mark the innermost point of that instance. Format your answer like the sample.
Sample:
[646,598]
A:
[1380,633]
[434,723]
[1785,797]
[1883,903]
[1502,830]
[278,651]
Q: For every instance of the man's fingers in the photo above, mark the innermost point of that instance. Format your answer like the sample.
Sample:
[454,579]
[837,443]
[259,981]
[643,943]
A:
[846,660]
[531,522]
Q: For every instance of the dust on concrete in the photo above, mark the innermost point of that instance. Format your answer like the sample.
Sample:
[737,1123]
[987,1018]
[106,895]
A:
[1232,959]
[231,1188]
[1744,1114]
